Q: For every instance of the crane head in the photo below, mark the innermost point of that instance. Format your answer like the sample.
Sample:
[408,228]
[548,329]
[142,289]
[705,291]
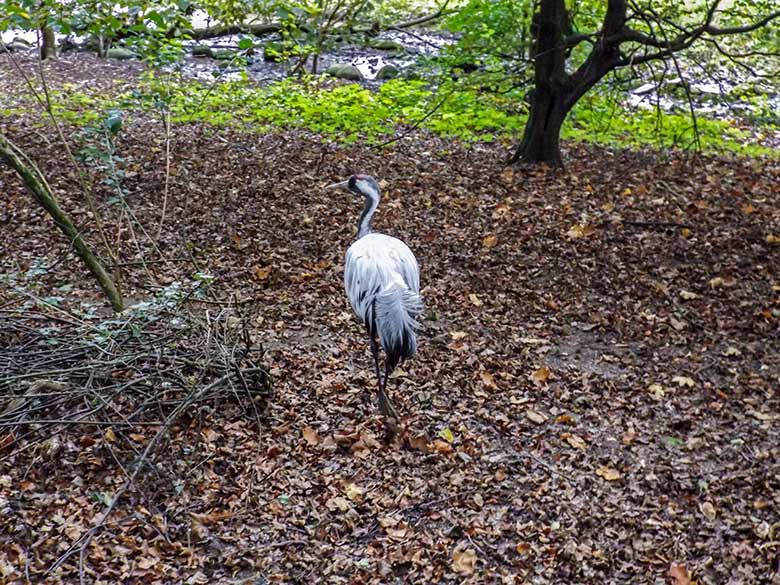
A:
[364,185]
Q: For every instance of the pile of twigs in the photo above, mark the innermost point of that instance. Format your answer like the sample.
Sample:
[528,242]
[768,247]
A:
[145,367]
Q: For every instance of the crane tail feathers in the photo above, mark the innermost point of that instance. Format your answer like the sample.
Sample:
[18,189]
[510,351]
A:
[395,320]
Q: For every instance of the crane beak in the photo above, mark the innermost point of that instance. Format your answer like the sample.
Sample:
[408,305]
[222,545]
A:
[341,185]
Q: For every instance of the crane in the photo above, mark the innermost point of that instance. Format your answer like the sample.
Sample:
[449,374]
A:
[382,281]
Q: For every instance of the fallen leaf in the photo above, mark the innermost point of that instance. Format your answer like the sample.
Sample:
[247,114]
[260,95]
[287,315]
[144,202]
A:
[523,548]
[541,375]
[262,272]
[679,574]
[708,510]
[489,241]
[688,295]
[656,390]
[447,435]
[396,533]
[580,230]
[338,503]
[608,473]
[535,416]
[684,381]
[354,492]
[110,435]
[464,562]
[628,437]
[488,380]
[311,436]
[475,300]
[773,240]
[457,335]
[441,446]
[574,440]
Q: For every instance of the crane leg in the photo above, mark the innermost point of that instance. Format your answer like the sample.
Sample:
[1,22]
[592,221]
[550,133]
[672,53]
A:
[385,406]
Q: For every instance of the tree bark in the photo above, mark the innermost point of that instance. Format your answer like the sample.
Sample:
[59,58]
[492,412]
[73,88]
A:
[549,98]
[555,90]
[48,43]
[541,137]
[36,183]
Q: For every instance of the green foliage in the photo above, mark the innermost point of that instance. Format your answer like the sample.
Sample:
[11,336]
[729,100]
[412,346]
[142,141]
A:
[494,40]
[598,117]
[347,111]
[350,112]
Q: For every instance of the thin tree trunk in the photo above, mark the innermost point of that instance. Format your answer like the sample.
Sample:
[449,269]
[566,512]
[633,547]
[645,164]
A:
[36,183]
[48,43]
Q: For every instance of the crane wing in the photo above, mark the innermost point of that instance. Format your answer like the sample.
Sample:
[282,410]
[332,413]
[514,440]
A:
[372,264]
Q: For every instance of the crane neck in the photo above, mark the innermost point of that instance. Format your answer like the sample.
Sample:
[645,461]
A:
[364,223]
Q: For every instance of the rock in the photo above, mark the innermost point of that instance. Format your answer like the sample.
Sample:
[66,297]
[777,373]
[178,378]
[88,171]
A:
[224,55]
[387,72]
[68,44]
[13,47]
[345,72]
[202,51]
[385,45]
[120,53]
[23,42]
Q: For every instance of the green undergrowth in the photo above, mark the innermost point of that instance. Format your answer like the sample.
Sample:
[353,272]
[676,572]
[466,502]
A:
[350,112]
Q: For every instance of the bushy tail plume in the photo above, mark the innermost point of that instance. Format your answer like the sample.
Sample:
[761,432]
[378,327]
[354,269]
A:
[395,312]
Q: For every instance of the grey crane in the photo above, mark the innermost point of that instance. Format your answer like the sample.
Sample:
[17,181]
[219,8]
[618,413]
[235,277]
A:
[382,281]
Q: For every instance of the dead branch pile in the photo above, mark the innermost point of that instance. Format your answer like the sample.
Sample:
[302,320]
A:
[59,370]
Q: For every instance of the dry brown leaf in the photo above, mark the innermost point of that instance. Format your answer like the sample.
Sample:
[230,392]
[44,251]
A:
[773,240]
[580,230]
[488,380]
[441,446]
[110,435]
[490,241]
[541,375]
[523,548]
[311,436]
[397,533]
[708,510]
[535,416]
[682,381]
[475,300]
[262,272]
[338,503]
[464,561]
[679,574]
[574,440]
[608,473]
[458,335]
[354,492]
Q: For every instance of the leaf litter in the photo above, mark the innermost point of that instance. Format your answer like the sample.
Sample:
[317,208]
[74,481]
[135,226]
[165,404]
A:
[559,464]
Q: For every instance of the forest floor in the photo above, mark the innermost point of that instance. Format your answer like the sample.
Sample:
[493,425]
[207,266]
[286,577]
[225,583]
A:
[596,397]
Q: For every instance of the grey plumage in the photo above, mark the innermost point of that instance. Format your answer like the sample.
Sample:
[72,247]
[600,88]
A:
[382,282]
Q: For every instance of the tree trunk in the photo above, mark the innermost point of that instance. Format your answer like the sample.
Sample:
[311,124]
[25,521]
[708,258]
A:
[48,43]
[555,90]
[541,137]
[42,193]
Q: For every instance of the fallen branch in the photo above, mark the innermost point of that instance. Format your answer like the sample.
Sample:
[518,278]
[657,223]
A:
[37,185]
